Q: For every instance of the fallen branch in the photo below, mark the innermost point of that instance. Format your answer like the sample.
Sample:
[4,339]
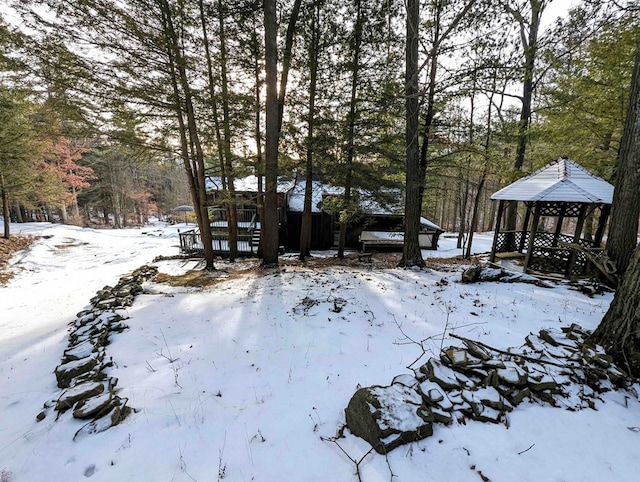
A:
[356,462]
[526,450]
[505,352]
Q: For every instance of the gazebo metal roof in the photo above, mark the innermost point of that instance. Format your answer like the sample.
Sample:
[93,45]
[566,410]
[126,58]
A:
[559,181]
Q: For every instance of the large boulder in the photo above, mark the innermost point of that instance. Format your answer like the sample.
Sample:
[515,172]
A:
[388,417]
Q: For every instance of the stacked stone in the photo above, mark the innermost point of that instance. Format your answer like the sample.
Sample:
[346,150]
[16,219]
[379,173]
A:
[480,383]
[88,390]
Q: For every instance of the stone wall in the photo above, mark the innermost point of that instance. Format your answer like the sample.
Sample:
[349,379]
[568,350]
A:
[88,390]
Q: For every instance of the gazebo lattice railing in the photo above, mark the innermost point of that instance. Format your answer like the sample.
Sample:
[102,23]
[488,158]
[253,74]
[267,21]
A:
[549,254]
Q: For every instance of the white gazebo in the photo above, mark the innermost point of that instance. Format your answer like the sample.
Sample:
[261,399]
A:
[560,196]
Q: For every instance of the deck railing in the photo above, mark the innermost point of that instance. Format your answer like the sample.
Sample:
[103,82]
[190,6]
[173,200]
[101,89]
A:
[246,217]
[190,242]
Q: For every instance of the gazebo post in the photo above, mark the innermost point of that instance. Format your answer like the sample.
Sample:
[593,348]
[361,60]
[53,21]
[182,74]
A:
[525,228]
[602,223]
[576,239]
[497,230]
[536,221]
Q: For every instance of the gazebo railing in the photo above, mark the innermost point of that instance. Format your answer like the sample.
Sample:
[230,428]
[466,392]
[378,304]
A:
[511,241]
[550,253]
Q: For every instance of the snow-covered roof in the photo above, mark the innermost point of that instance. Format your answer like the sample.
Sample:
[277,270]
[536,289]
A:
[429,224]
[246,184]
[368,201]
[562,180]
[296,196]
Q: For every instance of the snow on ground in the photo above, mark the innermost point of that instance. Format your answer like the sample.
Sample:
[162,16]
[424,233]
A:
[265,363]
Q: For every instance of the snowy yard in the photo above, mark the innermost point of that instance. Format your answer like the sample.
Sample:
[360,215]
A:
[264,364]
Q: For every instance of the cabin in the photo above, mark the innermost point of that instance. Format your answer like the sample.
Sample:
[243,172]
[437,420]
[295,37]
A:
[379,225]
[564,211]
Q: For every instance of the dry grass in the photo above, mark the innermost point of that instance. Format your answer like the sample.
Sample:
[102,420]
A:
[199,278]
[8,248]
[191,279]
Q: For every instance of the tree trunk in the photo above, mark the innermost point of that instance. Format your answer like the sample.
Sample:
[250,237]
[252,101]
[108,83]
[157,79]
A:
[464,202]
[258,135]
[619,330]
[64,218]
[348,181]
[270,228]
[530,46]
[5,207]
[232,210]
[623,229]
[191,148]
[286,59]
[18,211]
[212,94]
[474,212]
[411,254]
[305,231]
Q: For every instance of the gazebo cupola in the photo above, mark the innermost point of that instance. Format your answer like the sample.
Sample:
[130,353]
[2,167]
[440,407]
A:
[558,198]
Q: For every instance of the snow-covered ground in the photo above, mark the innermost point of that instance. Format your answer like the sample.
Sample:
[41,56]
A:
[264,366]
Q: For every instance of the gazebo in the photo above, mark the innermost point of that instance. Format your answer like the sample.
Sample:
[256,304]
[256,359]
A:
[558,199]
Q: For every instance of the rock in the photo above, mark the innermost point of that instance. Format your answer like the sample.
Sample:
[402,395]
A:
[388,417]
[118,327]
[441,374]
[441,416]
[616,375]
[476,350]
[512,374]
[67,371]
[108,303]
[490,397]
[456,357]
[79,351]
[79,392]
[431,392]
[471,275]
[557,338]
[491,380]
[494,363]
[112,418]
[87,408]
[542,382]
[41,416]
[516,395]
[406,380]
[84,319]
[488,414]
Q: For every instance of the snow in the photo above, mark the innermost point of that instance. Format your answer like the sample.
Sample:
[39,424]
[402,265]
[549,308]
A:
[236,381]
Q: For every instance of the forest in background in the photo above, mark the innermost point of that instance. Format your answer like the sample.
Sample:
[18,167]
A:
[111,112]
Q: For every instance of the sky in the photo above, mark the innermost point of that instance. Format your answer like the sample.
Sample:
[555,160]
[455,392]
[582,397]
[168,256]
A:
[245,379]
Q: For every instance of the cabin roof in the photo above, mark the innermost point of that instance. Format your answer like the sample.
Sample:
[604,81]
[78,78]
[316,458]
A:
[562,180]
[246,184]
